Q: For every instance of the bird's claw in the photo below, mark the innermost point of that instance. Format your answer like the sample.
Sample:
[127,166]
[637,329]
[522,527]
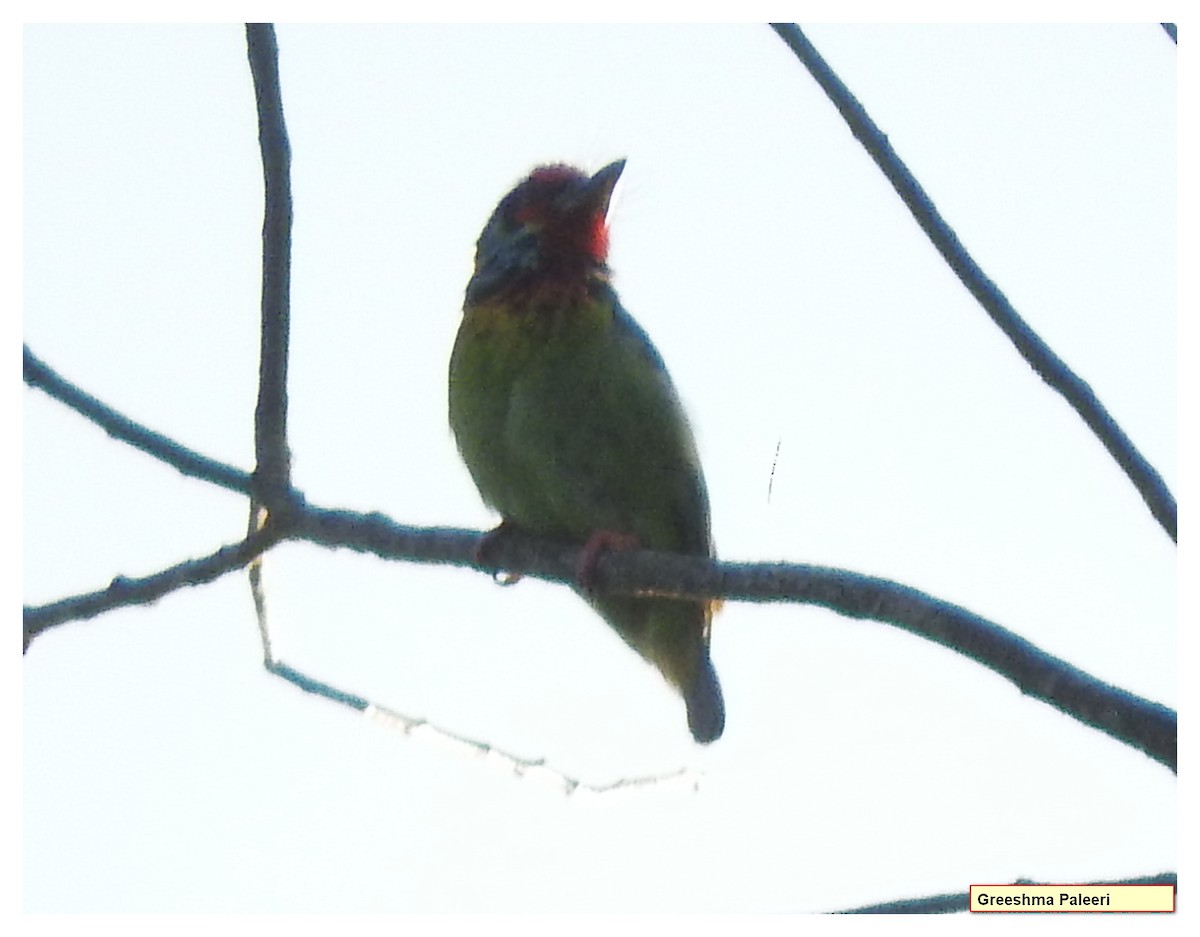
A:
[485,549]
[597,543]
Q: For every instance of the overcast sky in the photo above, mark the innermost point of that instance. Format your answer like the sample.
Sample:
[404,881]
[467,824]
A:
[810,328]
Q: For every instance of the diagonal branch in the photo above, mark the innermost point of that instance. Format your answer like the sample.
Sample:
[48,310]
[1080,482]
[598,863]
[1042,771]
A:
[1048,366]
[124,591]
[40,375]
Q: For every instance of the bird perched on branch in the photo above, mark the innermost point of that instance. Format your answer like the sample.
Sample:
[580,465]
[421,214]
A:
[568,421]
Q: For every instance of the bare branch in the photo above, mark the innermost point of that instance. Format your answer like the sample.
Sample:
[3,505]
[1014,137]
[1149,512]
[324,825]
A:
[423,730]
[273,495]
[1138,722]
[272,475]
[40,375]
[1048,366]
[124,591]
[960,901]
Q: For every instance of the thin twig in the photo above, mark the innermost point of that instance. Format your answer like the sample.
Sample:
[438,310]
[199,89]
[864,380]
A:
[425,731]
[1048,366]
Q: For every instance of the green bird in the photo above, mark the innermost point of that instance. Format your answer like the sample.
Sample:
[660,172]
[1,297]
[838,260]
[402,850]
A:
[568,421]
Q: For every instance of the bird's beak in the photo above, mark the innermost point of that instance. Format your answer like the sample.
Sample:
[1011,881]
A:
[600,186]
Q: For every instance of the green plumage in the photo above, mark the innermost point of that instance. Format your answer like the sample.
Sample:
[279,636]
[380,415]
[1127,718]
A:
[568,421]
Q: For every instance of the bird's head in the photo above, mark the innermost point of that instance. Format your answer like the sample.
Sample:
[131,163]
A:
[548,232]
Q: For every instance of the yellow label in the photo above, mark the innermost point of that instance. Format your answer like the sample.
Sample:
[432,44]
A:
[1028,898]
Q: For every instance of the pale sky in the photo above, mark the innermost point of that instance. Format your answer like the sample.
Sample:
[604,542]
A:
[798,307]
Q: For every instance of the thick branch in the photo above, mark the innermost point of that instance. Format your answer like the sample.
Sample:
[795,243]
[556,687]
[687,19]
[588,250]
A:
[273,472]
[1048,366]
[1141,723]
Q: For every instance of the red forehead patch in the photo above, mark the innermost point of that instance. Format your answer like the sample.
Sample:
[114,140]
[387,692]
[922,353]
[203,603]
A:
[555,174]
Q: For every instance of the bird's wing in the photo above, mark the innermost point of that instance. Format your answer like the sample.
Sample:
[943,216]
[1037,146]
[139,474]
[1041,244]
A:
[599,431]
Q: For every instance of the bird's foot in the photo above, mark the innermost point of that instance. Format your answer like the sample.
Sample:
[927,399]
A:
[597,543]
[485,550]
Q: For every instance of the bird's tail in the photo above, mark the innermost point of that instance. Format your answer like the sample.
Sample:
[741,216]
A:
[705,705]
[673,635]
